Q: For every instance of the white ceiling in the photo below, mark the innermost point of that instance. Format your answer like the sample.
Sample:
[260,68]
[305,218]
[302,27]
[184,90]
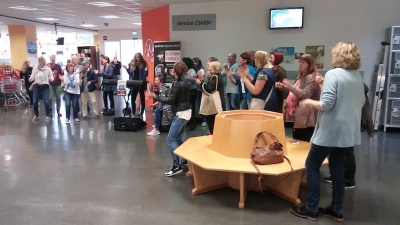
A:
[74,13]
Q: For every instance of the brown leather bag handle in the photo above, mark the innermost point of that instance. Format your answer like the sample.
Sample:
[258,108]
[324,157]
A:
[261,178]
[266,132]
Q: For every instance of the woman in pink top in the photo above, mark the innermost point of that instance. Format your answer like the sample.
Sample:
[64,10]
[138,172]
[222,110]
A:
[304,117]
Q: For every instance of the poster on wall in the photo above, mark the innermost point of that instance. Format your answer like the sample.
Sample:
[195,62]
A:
[317,52]
[166,54]
[32,48]
[287,52]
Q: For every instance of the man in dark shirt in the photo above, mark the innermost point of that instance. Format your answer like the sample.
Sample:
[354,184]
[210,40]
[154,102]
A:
[55,85]
[117,72]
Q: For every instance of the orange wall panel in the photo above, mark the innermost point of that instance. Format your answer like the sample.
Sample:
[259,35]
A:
[155,27]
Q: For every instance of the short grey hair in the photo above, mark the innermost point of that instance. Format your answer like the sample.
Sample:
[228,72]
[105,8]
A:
[86,62]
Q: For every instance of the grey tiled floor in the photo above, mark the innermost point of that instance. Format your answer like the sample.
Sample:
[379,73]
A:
[86,173]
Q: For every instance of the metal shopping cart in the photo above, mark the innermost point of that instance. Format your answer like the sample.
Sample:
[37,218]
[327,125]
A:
[10,92]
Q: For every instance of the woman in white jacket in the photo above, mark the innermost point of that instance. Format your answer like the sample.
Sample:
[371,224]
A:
[41,78]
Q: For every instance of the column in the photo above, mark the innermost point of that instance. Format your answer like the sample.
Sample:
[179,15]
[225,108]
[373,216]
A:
[19,36]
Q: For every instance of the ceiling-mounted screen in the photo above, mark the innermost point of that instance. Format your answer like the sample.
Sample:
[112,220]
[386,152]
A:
[286,18]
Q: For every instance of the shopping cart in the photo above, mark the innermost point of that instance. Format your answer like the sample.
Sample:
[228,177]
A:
[10,92]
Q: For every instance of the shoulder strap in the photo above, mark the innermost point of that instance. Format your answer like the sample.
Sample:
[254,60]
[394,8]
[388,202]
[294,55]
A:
[216,87]
[261,178]
[266,132]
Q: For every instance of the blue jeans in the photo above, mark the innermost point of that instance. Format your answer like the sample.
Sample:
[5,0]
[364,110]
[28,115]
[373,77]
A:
[43,90]
[175,137]
[244,102]
[232,101]
[158,116]
[314,161]
[71,100]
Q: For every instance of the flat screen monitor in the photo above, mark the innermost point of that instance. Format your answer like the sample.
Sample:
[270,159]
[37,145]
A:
[286,18]
[60,41]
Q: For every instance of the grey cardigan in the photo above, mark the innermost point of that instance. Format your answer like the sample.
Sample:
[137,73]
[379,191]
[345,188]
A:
[342,99]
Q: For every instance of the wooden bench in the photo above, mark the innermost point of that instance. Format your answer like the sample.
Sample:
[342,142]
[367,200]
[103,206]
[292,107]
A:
[213,165]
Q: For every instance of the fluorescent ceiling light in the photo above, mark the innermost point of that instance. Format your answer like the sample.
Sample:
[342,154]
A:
[22,8]
[109,17]
[41,28]
[87,25]
[139,24]
[101,4]
[47,19]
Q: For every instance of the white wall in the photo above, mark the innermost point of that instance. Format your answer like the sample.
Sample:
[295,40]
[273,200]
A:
[243,25]
[117,35]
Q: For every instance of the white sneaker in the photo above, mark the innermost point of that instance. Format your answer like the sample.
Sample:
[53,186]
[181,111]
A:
[154,132]
[154,126]
[204,124]
[66,120]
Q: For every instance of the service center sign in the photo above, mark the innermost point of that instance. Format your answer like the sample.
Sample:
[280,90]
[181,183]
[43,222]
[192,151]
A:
[194,22]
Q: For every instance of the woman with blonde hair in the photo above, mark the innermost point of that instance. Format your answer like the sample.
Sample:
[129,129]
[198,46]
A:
[211,83]
[41,78]
[26,71]
[303,88]
[337,130]
[262,85]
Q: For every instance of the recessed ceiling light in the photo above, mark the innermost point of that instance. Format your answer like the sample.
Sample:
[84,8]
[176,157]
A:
[47,19]
[101,4]
[87,25]
[110,17]
[41,28]
[22,8]
[139,24]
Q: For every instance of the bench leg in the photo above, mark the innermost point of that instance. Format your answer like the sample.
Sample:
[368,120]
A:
[206,180]
[243,190]
[286,187]
[190,169]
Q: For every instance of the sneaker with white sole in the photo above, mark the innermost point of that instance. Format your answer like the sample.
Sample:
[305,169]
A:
[173,171]
[154,132]
[204,124]
[66,120]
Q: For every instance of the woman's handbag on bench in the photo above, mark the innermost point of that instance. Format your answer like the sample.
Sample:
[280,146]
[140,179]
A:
[268,154]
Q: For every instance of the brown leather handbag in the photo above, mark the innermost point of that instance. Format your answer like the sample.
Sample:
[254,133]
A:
[267,155]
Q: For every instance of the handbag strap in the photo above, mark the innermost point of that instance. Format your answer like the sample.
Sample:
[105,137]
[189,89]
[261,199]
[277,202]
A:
[261,178]
[269,94]
[266,132]
[216,86]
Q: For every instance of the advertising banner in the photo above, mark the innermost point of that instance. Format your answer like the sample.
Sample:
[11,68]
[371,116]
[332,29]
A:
[317,52]
[166,54]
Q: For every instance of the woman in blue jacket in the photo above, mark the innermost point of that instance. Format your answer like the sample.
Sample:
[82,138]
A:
[138,71]
[107,89]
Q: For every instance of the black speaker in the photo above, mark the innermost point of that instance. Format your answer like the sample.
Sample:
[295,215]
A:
[60,41]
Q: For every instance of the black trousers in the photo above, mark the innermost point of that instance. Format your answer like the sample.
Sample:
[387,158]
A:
[30,93]
[350,167]
[210,122]
[134,93]
[303,134]
[110,96]
[192,101]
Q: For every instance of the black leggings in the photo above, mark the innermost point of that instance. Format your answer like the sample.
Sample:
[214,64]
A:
[303,134]
[210,122]
[192,101]
[134,93]
[110,95]
[29,92]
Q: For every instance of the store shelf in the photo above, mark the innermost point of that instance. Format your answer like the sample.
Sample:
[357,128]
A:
[392,103]
[393,126]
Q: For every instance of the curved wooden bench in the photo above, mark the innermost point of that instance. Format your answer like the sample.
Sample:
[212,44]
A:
[223,160]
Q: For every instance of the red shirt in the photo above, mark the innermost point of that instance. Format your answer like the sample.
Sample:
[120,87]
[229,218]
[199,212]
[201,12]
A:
[56,72]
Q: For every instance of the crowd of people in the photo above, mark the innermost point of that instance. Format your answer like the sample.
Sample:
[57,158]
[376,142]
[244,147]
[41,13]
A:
[78,82]
[326,111]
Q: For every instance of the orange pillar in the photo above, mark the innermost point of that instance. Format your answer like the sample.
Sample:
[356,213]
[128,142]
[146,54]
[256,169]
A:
[155,27]
[19,36]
